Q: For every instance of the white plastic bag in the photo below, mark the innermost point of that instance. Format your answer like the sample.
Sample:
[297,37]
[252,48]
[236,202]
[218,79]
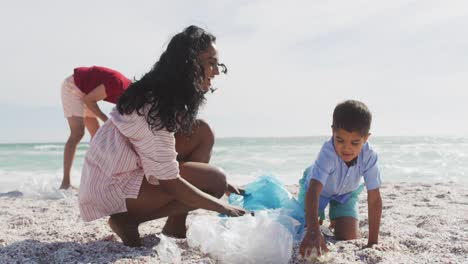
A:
[168,251]
[247,239]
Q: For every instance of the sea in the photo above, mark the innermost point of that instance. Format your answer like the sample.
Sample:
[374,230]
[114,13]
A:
[35,169]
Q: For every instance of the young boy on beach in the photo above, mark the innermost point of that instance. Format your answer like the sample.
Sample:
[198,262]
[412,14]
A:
[335,180]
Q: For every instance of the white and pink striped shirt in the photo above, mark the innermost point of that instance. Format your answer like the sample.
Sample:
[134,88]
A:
[123,151]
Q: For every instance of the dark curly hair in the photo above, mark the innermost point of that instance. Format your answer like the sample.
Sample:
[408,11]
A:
[352,116]
[170,93]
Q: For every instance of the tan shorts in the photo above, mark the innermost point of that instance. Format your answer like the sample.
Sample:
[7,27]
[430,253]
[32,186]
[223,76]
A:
[72,100]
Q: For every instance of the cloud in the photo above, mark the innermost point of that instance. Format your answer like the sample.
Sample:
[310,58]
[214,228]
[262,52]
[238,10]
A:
[289,64]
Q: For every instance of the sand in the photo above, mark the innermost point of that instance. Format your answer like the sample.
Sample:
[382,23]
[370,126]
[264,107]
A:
[421,223]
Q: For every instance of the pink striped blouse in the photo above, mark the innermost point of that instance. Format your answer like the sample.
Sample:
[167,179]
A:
[123,151]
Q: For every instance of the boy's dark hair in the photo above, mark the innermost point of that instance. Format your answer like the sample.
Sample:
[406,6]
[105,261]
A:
[352,116]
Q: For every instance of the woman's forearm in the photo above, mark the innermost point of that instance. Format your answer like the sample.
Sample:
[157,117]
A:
[193,197]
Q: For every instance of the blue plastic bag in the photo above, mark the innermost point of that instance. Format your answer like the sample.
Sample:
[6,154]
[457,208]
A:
[267,192]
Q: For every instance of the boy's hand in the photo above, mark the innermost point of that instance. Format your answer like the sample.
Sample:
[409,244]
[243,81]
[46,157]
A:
[313,241]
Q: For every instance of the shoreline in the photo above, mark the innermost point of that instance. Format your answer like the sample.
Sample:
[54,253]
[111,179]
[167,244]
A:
[421,223]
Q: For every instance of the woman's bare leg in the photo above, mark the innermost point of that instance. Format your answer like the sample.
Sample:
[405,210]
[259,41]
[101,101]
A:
[194,152]
[151,199]
[153,203]
[76,125]
[194,148]
[207,178]
[198,146]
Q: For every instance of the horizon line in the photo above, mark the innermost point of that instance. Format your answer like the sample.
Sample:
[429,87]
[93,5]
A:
[260,137]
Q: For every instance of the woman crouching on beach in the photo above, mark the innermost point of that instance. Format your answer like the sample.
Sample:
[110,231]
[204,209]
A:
[150,160]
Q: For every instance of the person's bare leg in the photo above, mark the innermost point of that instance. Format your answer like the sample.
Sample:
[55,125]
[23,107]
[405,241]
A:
[150,200]
[196,147]
[91,124]
[346,228]
[76,125]
[206,178]
[153,203]
[125,229]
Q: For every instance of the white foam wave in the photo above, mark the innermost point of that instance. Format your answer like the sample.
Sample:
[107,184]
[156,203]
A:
[48,147]
[40,185]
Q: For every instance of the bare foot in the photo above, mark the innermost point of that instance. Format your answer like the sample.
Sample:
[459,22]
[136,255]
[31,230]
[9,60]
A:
[68,187]
[127,232]
[175,227]
[65,186]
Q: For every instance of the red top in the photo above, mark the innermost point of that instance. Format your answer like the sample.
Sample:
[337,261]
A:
[88,78]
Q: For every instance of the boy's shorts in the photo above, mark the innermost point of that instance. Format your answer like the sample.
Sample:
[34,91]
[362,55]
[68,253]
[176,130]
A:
[72,100]
[335,208]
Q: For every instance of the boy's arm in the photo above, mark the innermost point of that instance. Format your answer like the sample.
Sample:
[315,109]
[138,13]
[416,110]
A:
[311,206]
[91,99]
[313,237]
[374,203]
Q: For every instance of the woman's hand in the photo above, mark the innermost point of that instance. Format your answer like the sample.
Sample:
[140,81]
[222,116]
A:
[313,242]
[231,210]
[235,190]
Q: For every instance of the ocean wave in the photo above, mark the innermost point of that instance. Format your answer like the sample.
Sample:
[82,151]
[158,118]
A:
[48,147]
[36,169]
[55,152]
[52,147]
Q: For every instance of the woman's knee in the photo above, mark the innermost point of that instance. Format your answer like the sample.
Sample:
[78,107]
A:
[220,182]
[205,177]
[204,131]
[198,145]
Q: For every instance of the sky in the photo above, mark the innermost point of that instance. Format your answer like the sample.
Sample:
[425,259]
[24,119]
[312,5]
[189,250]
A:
[289,63]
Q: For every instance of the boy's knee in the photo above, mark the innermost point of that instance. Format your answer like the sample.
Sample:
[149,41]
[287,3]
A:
[346,236]
[346,228]
[77,135]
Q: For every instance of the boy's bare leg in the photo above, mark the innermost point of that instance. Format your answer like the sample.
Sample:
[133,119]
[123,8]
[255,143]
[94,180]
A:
[346,228]
[76,125]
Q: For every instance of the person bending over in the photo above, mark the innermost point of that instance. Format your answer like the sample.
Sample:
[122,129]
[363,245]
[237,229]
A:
[80,94]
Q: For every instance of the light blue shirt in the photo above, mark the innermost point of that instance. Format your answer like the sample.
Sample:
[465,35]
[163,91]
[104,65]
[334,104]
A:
[339,180]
